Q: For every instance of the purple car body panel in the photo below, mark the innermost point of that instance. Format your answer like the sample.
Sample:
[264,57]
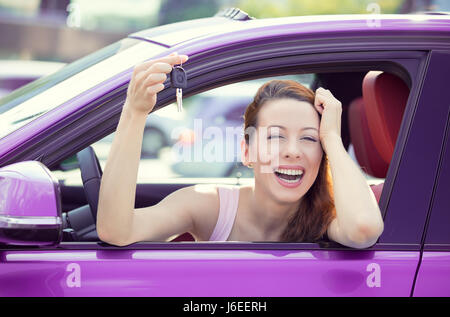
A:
[438,233]
[207,273]
[433,278]
[318,272]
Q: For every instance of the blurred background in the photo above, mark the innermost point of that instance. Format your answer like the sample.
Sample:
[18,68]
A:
[39,37]
[51,30]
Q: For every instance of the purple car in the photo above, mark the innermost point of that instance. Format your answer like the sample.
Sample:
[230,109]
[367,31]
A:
[390,73]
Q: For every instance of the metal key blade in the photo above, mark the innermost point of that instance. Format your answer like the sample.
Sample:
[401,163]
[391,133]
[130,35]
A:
[180,99]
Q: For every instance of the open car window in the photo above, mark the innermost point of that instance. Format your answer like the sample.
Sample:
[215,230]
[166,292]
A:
[202,143]
[162,169]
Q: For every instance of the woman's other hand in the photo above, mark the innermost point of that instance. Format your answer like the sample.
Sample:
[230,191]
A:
[147,80]
[331,110]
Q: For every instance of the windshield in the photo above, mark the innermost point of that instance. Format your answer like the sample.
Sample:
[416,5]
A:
[40,96]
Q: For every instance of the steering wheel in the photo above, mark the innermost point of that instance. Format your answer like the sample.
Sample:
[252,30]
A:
[91,175]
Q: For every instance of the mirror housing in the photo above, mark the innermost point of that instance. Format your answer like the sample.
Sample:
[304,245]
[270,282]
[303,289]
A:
[30,205]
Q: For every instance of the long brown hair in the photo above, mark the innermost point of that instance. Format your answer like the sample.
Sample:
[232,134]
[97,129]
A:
[316,210]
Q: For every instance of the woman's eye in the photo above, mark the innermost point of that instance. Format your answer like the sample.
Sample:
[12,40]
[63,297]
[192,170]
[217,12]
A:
[274,137]
[309,139]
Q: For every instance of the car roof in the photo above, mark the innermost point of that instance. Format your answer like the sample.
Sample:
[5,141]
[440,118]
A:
[180,32]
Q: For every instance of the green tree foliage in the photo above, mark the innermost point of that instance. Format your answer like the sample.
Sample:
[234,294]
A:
[181,10]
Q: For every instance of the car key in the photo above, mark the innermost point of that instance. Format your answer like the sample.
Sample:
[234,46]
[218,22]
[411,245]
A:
[178,80]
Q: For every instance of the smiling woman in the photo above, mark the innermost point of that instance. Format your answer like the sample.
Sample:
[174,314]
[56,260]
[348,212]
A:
[290,134]
[300,194]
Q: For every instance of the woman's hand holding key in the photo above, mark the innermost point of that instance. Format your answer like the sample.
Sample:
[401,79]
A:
[115,220]
[147,80]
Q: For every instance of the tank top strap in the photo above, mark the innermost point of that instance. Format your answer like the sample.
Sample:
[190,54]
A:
[228,201]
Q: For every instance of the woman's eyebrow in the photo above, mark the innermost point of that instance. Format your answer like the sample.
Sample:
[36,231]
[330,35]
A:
[309,128]
[284,128]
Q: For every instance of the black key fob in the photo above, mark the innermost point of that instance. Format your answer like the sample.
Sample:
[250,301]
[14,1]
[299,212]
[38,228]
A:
[178,77]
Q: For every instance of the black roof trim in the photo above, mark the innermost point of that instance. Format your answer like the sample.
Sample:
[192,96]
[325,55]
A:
[234,14]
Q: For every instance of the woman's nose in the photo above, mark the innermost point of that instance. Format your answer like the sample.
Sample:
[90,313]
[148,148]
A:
[292,149]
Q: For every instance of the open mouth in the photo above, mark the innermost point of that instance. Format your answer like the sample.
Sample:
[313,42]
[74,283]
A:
[289,176]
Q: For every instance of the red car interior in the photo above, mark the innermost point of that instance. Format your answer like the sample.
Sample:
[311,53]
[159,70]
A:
[375,121]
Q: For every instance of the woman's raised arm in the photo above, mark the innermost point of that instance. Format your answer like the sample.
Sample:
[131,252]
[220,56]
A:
[118,185]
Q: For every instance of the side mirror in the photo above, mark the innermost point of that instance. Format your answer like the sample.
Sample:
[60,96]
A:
[30,205]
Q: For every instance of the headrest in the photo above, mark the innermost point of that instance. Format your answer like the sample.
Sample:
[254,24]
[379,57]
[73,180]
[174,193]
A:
[385,97]
[366,153]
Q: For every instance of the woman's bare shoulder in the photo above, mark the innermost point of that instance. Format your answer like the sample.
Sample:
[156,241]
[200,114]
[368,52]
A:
[208,192]
[183,210]
[205,209]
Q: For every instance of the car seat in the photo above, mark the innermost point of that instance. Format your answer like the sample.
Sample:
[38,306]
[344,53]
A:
[375,121]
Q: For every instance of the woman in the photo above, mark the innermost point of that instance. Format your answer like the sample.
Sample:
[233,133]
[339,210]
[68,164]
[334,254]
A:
[292,140]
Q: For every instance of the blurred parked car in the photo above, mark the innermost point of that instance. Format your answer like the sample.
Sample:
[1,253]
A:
[158,133]
[17,73]
[210,146]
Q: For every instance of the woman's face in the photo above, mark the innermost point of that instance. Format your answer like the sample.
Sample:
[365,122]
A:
[288,148]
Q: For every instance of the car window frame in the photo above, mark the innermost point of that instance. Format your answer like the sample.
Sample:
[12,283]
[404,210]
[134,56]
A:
[405,63]
[389,66]
[332,244]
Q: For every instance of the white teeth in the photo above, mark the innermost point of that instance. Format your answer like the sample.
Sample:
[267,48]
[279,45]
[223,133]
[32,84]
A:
[290,181]
[289,171]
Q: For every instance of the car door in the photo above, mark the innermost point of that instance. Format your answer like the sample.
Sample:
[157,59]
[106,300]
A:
[433,277]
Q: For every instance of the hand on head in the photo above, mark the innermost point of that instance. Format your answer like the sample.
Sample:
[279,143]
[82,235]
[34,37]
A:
[331,110]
